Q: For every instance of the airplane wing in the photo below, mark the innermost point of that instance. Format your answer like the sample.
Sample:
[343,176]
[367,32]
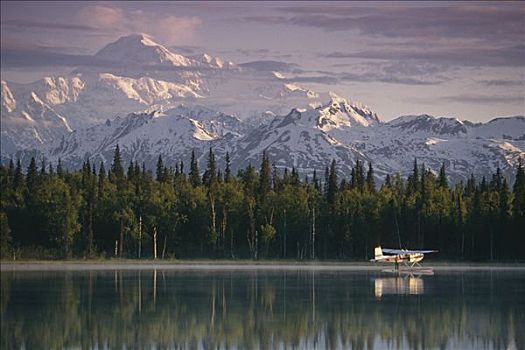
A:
[400,251]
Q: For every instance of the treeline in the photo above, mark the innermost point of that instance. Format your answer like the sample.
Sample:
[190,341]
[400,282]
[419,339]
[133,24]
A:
[46,211]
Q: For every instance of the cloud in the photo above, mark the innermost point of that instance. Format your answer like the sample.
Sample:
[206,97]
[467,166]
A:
[318,79]
[20,58]
[24,25]
[169,29]
[470,99]
[102,23]
[386,78]
[186,49]
[269,66]
[366,77]
[501,22]
[26,58]
[502,82]
[510,56]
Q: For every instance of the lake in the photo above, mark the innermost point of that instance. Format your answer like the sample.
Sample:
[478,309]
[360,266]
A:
[244,307]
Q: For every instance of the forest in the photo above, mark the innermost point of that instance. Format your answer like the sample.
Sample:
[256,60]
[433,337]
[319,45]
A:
[48,212]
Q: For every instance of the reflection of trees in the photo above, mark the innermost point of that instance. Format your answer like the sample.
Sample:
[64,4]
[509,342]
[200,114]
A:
[144,309]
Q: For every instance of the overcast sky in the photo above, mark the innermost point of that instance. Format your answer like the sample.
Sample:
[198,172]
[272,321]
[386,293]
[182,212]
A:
[446,59]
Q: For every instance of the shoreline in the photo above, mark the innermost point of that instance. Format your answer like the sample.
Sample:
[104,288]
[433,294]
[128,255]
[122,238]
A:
[238,265]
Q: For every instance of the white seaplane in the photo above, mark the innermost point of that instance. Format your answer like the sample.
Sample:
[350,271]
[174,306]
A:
[409,258]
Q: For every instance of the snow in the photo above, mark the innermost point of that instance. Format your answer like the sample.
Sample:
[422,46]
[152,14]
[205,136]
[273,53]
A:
[208,102]
[8,101]
[434,141]
[140,49]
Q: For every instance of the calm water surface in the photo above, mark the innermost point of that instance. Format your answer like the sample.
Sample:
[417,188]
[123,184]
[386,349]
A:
[266,309]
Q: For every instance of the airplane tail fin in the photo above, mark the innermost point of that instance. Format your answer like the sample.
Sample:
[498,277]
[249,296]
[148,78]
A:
[378,252]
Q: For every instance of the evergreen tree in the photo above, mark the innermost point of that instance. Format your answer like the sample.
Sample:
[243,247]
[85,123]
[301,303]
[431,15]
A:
[195,179]
[5,236]
[117,171]
[442,179]
[413,180]
[210,174]
[43,167]
[315,181]
[519,191]
[227,170]
[370,181]
[332,183]
[265,181]
[160,170]
[360,176]
[32,175]
[60,170]
[518,210]
[18,177]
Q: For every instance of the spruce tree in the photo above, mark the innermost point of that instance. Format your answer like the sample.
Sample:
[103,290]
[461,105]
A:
[210,174]
[413,180]
[370,181]
[332,183]
[160,170]
[60,170]
[43,167]
[18,176]
[315,181]
[195,179]
[442,179]
[519,192]
[32,174]
[117,171]
[265,184]
[227,170]
[360,175]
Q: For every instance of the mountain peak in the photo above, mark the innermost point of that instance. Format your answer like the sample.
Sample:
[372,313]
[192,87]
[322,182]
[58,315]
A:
[212,61]
[141,49]
[341,112]
[429,123]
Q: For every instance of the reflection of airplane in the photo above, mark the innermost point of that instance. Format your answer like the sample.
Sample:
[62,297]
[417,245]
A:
[398,285]
[396,256]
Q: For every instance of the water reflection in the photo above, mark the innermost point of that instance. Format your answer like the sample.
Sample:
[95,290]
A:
[398,285]
[260,309]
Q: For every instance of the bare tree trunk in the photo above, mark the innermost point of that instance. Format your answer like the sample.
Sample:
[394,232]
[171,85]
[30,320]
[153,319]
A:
[140,236]
[223,229]
[213,231]
[155,242]
[90,232]
[284,243]
[164,247]
[313,232]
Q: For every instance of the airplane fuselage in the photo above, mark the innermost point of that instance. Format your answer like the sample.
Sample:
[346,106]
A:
[399,258]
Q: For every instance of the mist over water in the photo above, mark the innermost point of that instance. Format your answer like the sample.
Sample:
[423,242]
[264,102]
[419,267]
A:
[267,309]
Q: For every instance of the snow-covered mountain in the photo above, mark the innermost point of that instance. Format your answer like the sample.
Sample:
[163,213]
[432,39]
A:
[136,74]
[306,139]
[141,137]
[152,101]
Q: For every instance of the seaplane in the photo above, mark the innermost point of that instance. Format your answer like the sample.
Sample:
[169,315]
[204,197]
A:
[409,258]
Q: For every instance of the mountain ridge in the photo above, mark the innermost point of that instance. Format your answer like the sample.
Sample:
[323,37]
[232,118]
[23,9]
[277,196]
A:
[243,109]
